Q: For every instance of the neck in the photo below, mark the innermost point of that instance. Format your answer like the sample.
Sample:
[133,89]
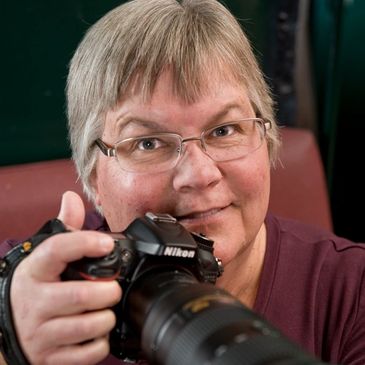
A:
[241,277]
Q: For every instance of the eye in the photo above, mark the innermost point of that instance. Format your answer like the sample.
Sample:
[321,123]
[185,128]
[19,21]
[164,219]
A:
[149,144]
[224,130]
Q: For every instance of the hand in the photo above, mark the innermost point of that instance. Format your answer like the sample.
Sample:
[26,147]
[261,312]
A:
[64,322]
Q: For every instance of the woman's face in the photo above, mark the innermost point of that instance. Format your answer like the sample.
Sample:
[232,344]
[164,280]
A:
[227,201]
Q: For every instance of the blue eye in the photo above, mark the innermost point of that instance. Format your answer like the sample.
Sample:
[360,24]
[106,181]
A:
[149,144]
[224,130]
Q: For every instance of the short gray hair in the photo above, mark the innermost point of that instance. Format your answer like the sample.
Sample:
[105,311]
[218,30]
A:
[137,41]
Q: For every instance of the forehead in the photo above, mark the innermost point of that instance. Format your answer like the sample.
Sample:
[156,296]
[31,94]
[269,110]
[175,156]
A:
[220,97]
[188,88]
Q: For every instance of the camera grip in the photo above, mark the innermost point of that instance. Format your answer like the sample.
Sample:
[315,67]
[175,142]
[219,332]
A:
[99,268]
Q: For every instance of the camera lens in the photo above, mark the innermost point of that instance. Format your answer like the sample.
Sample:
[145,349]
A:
[185,322]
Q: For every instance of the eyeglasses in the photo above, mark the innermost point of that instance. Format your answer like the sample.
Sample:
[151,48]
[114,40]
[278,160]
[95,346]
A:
[161,151]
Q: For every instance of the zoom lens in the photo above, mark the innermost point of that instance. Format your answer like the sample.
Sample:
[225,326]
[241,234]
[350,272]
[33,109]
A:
[185,322]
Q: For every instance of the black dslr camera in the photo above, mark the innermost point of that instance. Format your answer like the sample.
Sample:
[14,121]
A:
[170,312]
[155,260]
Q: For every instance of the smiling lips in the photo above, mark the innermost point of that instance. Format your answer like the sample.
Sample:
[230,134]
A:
[200,215]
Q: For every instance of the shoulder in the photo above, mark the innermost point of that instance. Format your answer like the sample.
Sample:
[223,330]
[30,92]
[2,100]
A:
[319,253]
[322,276]
[291,231]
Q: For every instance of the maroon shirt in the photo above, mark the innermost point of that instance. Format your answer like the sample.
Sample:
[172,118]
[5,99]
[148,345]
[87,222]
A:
[312,288]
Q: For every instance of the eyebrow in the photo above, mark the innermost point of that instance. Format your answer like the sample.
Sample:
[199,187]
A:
[150,124]
[227,108]
[147,123]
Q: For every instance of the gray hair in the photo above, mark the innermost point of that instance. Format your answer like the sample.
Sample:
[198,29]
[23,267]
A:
[136,42]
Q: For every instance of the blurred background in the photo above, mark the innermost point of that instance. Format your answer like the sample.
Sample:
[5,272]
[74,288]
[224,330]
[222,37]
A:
[312,53]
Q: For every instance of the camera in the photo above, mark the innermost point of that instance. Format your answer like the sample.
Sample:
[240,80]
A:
[155,260]
[170,312]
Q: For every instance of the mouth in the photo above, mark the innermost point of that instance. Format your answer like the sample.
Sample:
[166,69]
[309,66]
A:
[200,215]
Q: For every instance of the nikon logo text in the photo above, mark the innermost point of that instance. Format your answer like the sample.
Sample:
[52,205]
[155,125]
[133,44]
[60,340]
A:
[178,252]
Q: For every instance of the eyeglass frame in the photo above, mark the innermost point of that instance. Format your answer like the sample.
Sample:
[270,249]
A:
[110,151]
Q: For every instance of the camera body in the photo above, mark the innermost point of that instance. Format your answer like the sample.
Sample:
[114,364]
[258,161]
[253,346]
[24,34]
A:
[154,249]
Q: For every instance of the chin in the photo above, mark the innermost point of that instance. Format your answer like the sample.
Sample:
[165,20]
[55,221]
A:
[225,248]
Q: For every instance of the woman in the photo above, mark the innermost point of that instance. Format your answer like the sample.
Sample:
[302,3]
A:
[168,112]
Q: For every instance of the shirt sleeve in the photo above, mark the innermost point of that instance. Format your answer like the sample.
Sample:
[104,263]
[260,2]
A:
[6,246]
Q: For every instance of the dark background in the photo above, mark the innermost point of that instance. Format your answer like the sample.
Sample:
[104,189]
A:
[312,53]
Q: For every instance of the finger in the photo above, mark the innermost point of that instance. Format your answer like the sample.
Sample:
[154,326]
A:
[72,330]
[89,353]
[72,210]
[50,258]
[72,297]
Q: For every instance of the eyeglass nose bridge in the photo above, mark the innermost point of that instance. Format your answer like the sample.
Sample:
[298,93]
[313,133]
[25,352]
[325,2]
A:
[189,139]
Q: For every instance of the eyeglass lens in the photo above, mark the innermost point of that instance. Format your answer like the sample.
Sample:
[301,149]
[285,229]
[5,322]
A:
[160,152]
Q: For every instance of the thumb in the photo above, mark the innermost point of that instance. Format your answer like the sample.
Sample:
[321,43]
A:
[72,210]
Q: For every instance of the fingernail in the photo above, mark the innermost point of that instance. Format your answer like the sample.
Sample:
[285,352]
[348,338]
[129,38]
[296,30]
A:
[62,207]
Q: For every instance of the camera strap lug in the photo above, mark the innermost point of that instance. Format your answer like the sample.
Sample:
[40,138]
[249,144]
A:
[167,218]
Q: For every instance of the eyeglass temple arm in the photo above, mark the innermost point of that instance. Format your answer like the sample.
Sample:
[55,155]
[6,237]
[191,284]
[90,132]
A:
[267,122]
[107,150]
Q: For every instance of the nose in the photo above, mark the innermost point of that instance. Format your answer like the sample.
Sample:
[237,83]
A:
[195,170]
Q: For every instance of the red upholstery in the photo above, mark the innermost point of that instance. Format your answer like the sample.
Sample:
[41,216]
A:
[30,194]
[298,184]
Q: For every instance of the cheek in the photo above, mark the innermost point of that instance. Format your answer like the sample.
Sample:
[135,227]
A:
[124,196]
[250,183]
[251,180]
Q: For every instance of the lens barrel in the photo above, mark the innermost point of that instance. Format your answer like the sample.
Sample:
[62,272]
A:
[185,322]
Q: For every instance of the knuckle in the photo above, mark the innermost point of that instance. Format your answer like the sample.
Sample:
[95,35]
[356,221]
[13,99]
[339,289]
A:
[79,295]
[99,350]
[111,319]
[104,347]
[82,328]
[116,292]
[50,249]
